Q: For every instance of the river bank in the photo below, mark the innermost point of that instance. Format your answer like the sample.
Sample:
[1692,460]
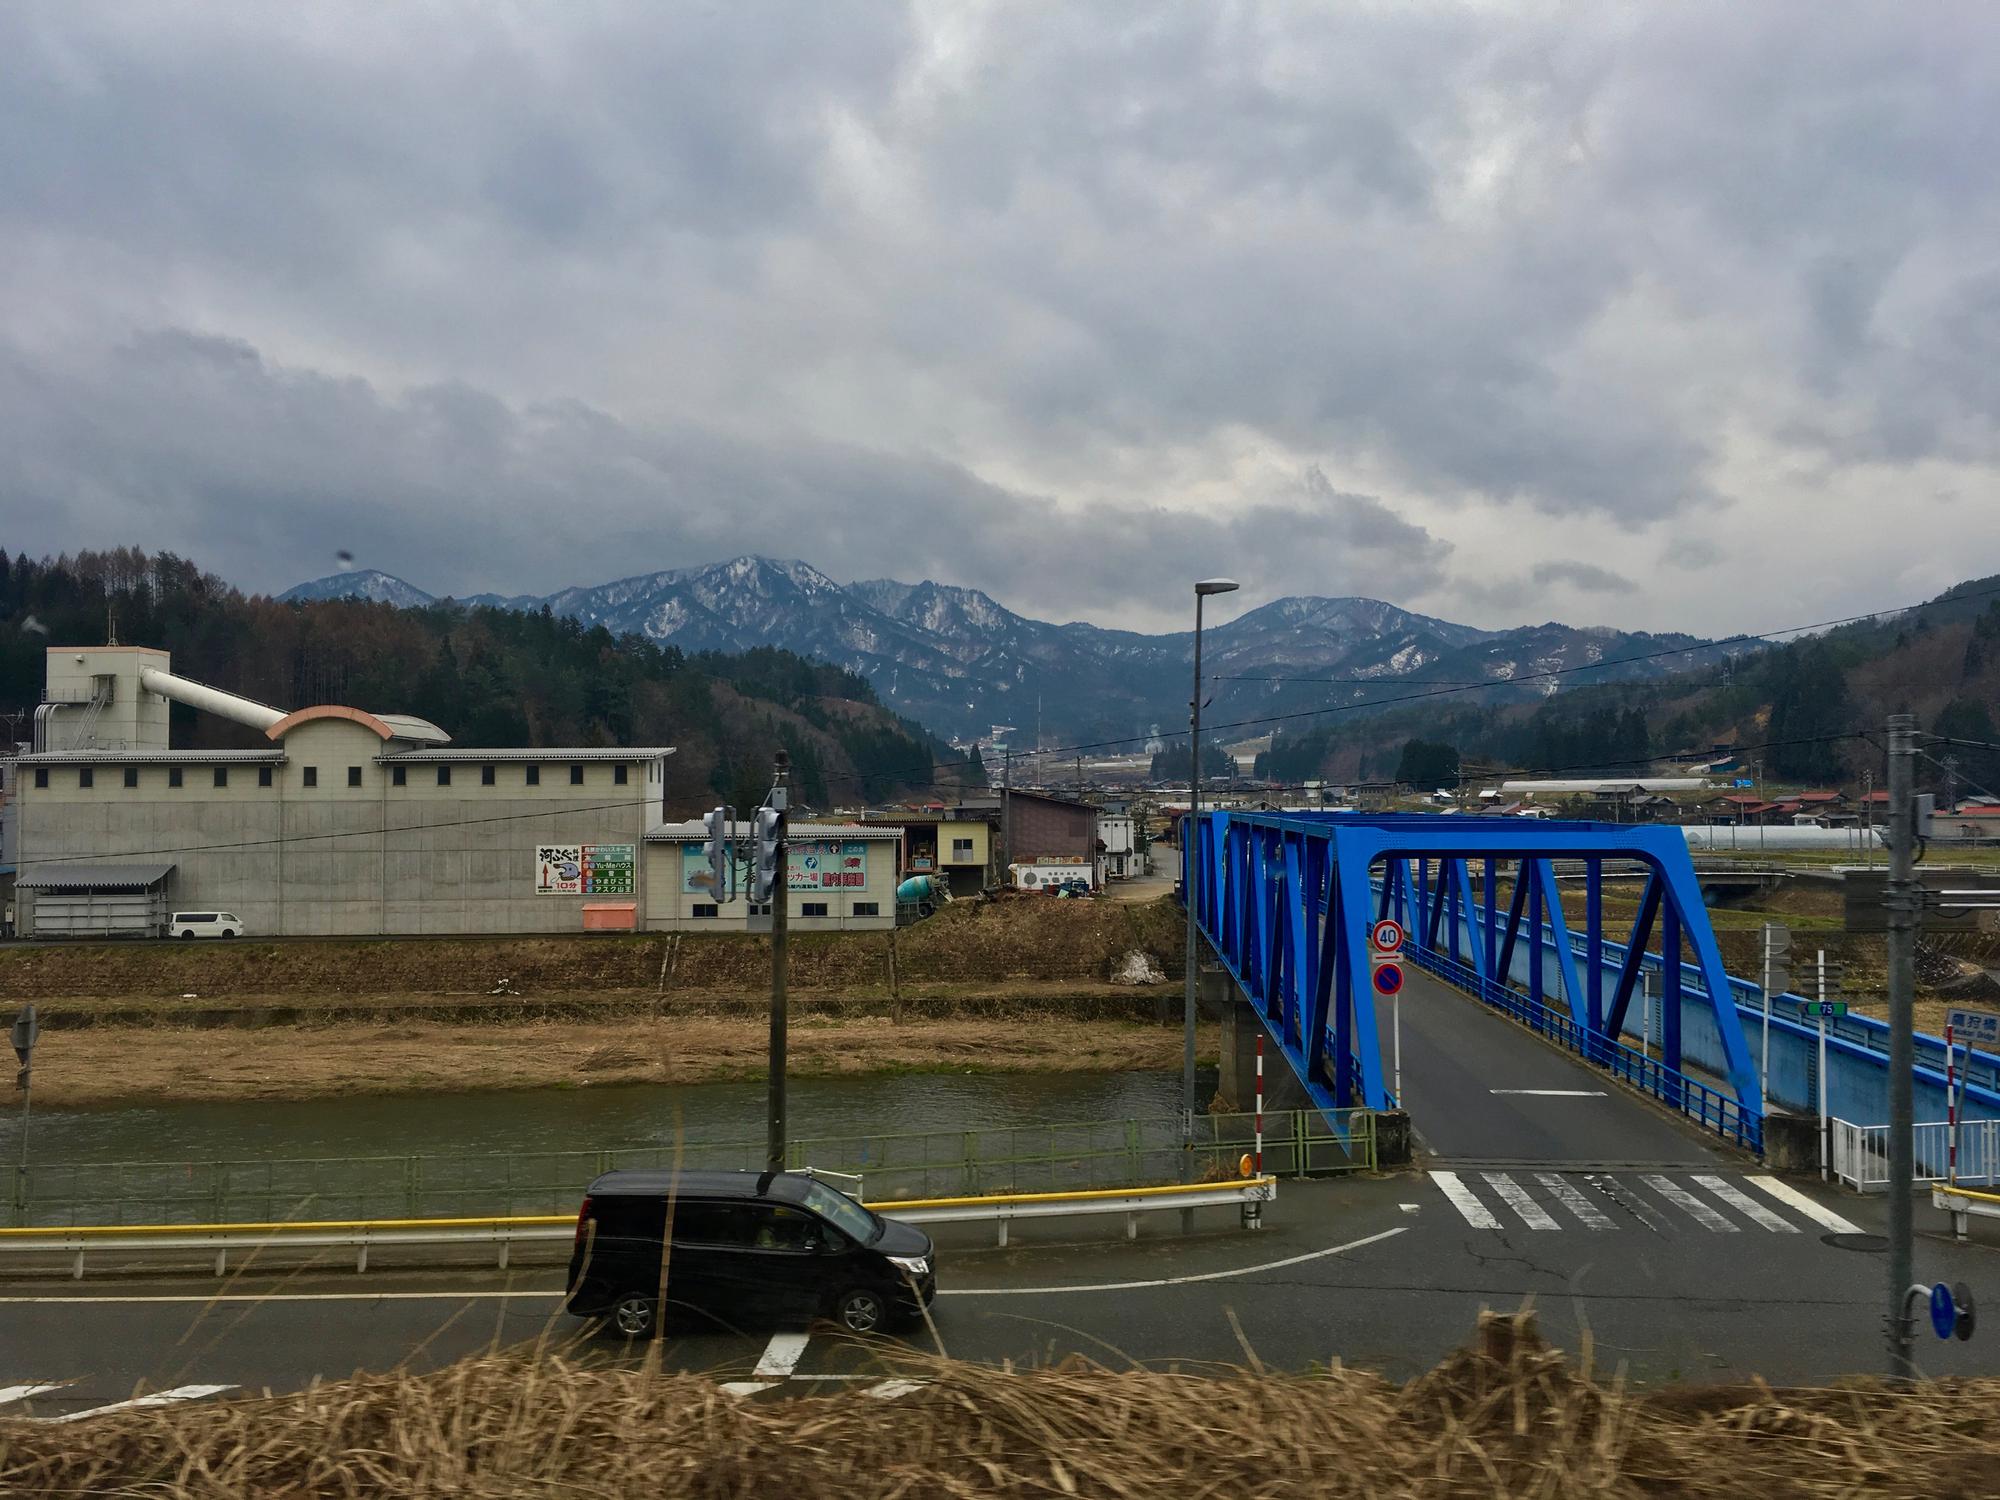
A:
[110,1066]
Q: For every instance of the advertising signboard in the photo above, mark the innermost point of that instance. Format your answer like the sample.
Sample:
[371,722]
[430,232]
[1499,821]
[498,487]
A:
[827,865]
[585,869]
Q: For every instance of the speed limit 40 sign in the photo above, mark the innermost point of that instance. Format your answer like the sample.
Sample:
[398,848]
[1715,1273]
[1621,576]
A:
[1386,936]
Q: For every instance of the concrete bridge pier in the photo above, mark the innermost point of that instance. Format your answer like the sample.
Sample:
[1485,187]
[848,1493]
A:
[1236,1089]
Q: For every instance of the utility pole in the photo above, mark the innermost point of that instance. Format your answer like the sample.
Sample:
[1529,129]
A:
[26,1030]
[1007,816]
[781,901]
[1902,900]
[1202,591]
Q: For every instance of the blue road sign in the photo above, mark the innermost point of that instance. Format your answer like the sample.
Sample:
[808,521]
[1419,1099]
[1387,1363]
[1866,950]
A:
[1944,1316]
[1745,781]
[1388,978]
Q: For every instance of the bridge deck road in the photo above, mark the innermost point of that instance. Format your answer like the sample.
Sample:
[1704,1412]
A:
[1482,1088]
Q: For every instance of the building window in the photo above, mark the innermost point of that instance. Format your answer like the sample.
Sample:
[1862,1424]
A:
[444,775]
[399,775]
[263,776]
[812,908]
[173,776]
[86,777]
[575,774]
[312,775]
[131,776]
[534,776]
[961,848]
[867,909]
[42,777]
[618,776]
[222,776]
[702,909]
[486,775]
[354,776]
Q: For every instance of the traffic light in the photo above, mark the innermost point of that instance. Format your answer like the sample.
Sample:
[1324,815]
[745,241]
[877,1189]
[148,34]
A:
[716,849]
[764,879]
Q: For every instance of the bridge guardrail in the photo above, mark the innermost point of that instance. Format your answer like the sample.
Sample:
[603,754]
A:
[78,1241]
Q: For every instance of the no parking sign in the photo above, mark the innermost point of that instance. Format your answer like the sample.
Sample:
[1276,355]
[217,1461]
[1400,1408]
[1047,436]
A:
[1388,978]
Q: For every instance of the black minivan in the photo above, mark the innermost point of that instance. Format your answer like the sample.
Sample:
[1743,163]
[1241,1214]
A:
[747,1247]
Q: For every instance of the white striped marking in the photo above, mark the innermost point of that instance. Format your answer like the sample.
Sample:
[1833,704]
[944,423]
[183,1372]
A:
[1463,1200]
[12,1393]
[1571,1197]
[1628,1200]
[889,1390]
[1135,1286]
[1516,1197]
[782,1355]
[745,1387]
[1693,1207]
[139,1403]
[1791,1197]
[1553,1093]
[1749,1207]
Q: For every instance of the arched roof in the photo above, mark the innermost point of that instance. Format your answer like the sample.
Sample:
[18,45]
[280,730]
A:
[359,716]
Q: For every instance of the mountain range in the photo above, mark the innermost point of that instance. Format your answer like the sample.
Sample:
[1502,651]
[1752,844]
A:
[959,662]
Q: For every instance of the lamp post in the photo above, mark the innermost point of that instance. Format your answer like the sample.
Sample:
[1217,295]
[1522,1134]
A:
[1201,591]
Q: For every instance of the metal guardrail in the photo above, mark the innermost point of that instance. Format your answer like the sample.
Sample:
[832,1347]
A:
[1962,1204]
[897,1166]
[78,1241]
[1859,1154]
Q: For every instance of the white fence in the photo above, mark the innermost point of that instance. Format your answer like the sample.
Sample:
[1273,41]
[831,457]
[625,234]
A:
[1861,1153]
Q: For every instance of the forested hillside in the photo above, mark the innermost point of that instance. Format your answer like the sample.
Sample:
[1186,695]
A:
[487,676]
[1806,703]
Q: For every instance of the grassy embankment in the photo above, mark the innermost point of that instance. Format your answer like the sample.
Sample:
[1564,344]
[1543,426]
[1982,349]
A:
[1019,985]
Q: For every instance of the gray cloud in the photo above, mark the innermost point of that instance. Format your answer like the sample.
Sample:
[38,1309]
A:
[1057,301]
[1581,575]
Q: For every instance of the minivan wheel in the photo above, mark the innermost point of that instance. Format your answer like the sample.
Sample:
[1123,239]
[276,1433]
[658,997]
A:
[636,1316]
[860,1310]
[229,932]
[187,935]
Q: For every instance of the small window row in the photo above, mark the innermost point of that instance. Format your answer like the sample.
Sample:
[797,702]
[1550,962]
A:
[700,909]
[86,776]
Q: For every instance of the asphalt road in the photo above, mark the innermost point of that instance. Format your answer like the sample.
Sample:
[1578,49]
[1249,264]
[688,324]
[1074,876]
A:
[1482,1087]
[1639,1243]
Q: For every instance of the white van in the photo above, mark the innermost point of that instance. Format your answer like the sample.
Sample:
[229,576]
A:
[190,924]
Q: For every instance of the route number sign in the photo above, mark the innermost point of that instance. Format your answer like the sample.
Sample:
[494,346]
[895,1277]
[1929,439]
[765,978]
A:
[1386,936]
[1388,978]
[1810,1008]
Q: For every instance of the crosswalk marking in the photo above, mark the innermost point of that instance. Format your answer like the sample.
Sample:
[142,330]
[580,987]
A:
[1531,1213]
[1462,1199]
[1572,1198]
[781,1356]
[1632,1203]
[1744,1204]
[138,1403]
[1709,1219]
[12,1393]
[889,1390]
[1599,1201]
[1792,1198]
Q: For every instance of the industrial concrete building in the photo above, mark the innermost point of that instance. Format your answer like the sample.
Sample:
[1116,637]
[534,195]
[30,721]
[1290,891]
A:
[349,822]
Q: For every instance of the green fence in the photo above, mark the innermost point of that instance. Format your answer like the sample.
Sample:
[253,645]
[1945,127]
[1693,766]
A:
[920,1164]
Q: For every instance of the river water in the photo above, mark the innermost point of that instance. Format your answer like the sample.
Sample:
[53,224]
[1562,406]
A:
[600,1118]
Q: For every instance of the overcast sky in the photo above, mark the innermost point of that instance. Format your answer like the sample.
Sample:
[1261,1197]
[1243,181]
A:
[1663,315]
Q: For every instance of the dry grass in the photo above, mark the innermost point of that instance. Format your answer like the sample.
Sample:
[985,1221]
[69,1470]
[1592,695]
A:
[1505,1417]
[101,1066]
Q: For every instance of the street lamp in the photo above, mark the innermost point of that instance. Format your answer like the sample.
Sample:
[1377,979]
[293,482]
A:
[1193,841]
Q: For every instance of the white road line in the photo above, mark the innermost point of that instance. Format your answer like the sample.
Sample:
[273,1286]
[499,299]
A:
[1532,1213]
[889,1390]
[1571,1197]
[781,1356]
[1693,1207]
[1749,1207]
[1463,1200]
[746,1387]
[12,1393]
[1791,1197]
[1553,1093]
[1138,1286]
[158,1398]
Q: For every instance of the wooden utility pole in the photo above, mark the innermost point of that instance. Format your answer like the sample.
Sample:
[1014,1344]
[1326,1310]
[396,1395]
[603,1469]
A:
[1904,898]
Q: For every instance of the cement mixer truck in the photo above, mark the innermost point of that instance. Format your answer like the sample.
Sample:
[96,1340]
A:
[923,894]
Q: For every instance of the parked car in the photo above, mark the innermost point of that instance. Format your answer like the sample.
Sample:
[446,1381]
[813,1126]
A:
[207,924]
[741,1248]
